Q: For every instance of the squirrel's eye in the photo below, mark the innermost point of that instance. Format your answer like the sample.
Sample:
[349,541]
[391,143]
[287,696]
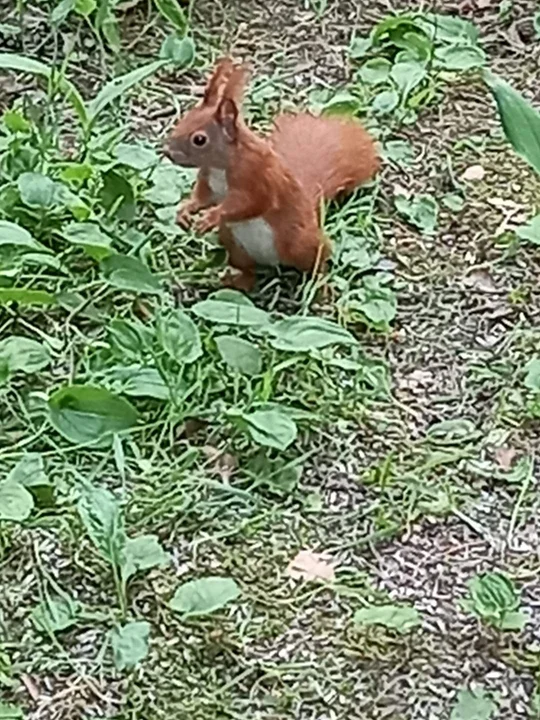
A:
[199,139]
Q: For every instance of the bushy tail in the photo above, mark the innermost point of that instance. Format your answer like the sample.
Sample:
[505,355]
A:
[326,154]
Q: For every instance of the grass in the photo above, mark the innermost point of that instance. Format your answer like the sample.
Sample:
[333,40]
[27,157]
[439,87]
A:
[210,440]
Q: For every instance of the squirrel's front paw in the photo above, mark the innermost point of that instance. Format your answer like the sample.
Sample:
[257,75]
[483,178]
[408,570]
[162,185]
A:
[238,279]
[207,221]
[184,213]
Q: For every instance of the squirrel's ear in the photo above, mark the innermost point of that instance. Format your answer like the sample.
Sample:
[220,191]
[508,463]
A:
[217,81]
[227,117]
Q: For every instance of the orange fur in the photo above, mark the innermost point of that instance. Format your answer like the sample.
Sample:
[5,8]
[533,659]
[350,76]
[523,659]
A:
[341,153]
[280,181]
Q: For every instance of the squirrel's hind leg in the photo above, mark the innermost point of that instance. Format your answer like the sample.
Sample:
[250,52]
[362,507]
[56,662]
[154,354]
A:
[241,274]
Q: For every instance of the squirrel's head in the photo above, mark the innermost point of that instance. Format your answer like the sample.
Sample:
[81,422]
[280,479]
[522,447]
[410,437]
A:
[203,136]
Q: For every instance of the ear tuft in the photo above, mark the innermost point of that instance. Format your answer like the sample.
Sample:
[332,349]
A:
[218,81]
[236,83]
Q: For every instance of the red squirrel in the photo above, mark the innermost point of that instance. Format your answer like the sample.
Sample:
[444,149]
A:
[264,195]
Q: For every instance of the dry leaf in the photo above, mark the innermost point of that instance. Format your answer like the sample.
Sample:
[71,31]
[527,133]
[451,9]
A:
[474,172]
[505,456]
[481,280]
[400,191]
[224,463]
[308,565]
[30,686]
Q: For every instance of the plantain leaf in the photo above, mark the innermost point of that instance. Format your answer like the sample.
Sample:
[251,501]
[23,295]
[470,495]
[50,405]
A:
[520,120]
[117,87]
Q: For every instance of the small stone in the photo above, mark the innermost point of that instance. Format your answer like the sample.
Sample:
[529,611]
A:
[474,173]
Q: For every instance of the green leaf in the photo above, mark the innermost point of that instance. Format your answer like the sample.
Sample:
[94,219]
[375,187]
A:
[10,712]
[38,190]
[100,513]
[136,156]
[396,617]
[172,11]
[514,620]
[422,211]
[204,596]
[449,29]
[520,121]
[180,51]
[85,414]
[532,377]
[89,236]
[130,338]
[342,103]
[530,231]
[21,63]
[170,182]
[130,644]
[117,87]
[522,472]
[76,173]
[453,202]
[385,102]
[15,121]
[360,47]
[12,234]
[278,476]
[61,11]
[356,251]
[461,57]
[142,553]
[376,301]
[137,381]
[111,32]
[30,473]
[452,431]
[493,597]
[393,28]
[270,428]
[375,71]
[55,614]
[239,354]
[128,273]
[414,45]
[26,297]
[85,7]
[22,354]
[232,308]
[308,333]
[407,75]
[179,337]
[536,24]
[473,705]
[399,151]
[117,196]
[16,503]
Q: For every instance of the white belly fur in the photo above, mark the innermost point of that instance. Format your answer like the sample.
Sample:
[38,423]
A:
[255,236]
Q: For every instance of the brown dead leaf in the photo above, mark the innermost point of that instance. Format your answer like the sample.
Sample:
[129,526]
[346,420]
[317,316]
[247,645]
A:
[505,457]
[309,565]
[399,190]
[481,280]
[474,173]
[224,463]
